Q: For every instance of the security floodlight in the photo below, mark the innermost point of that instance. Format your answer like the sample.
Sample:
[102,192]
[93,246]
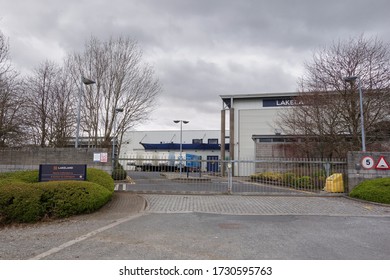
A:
[350,79]
[87,81]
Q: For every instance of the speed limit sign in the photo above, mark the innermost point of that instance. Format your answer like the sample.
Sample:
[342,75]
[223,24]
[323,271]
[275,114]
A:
[367,162]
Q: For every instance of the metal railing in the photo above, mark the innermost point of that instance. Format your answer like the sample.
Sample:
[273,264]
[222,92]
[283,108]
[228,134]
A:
[277,175]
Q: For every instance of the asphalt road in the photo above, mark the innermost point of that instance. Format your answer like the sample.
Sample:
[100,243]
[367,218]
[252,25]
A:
[209,236]
[167,227]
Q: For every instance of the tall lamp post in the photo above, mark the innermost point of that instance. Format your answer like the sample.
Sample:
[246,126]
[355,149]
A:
[351,80]
[117,110]
[84,81]
[181,141]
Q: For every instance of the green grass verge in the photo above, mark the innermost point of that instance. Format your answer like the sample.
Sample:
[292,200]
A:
[376,190]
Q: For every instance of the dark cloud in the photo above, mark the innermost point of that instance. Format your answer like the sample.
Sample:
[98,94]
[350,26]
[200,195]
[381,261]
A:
[199,48]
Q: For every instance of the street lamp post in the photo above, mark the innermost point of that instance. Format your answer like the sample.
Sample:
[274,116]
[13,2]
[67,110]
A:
[351,80]
[84,81]
[181,141]
[89,136]
[117,110]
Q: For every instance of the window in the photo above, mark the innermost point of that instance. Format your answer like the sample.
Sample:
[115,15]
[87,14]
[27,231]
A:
[213,141]
[197,141]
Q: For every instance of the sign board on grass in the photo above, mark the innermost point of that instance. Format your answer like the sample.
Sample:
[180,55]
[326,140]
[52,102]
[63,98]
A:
[62,172]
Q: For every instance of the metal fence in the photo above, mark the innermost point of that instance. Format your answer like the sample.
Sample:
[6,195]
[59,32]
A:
[260,177]
[292,175]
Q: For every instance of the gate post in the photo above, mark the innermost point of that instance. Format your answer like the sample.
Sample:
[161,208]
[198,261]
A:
[223,142]
[230,178]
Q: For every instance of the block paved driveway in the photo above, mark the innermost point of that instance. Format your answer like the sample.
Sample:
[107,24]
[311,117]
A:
[150,226]
[262,205]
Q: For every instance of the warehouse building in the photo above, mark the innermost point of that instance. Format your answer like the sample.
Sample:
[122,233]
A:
[163,147]
[249,131]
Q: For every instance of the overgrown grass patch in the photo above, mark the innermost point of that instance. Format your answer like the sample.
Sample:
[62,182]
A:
[376,190]
[24,199]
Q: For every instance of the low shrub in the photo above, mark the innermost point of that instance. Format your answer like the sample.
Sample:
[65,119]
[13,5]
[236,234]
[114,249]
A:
[266,177]
[100,177]
[29,176]
[20,203]
[289,179]
[24,199]
[376,190]
[119,173]
[63,199]
[303,182]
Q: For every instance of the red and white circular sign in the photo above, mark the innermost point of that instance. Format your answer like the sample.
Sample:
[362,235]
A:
[367,162]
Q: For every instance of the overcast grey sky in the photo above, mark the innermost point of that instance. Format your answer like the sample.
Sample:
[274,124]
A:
[199,49]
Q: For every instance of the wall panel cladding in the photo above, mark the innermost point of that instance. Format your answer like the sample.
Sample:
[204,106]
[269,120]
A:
[30,159]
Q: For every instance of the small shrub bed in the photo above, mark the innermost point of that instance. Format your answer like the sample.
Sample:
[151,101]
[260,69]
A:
[24,199]
[266,177]
[376,190]
[289,179]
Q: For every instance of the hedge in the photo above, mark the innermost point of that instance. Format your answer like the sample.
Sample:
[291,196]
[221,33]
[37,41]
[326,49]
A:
[24,199]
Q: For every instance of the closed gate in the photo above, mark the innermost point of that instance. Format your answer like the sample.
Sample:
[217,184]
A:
[212,176]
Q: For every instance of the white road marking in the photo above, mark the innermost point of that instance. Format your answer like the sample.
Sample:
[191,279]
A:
[85,236]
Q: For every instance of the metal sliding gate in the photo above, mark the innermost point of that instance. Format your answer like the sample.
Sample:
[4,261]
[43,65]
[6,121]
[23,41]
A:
[259,177]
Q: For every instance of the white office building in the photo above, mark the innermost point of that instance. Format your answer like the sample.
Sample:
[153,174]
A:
[251,118]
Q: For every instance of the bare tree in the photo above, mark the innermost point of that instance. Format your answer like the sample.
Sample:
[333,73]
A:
[12,121]
[328,107]
[123,81]
[11,101]
[63,113]
[4,55]
[51,114]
